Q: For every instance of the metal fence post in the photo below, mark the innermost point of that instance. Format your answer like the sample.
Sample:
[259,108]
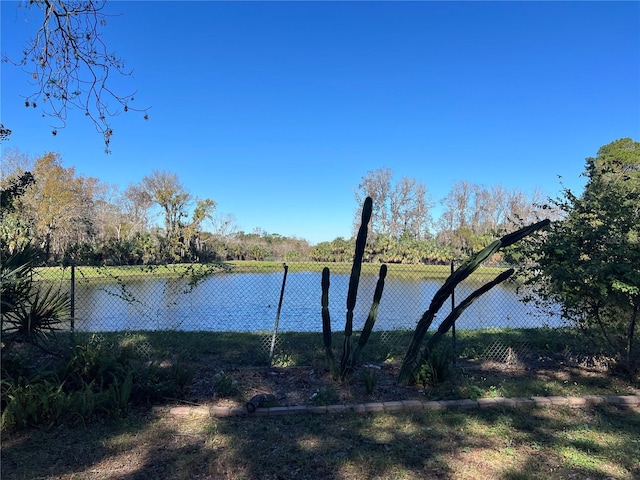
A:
[453,327]
[73,297]
[275,326]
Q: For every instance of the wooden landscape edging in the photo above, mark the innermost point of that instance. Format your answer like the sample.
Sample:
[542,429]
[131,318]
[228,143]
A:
[623,401]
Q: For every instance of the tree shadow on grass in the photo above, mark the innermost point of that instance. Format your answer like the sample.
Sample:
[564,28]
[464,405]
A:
[492,443]
[601,442]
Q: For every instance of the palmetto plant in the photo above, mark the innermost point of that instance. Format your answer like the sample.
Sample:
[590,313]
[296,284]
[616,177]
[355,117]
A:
[15,271]
[30,310]
[45,310]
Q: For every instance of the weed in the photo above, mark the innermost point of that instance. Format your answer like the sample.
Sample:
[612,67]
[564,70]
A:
[324,396]
[435,369]
[370,377]
[282,360]
[155,381]
[96,379]
[493,392]
[474,392]
[118,395]
[224,384]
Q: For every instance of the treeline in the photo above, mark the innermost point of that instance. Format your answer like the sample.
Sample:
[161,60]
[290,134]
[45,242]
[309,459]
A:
[72,218]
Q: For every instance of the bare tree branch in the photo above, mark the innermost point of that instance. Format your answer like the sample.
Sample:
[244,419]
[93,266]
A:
[70,66]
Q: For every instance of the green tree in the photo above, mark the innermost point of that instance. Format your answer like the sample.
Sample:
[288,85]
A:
[28,311]
[322,252]
[589,262]
[59,204]
[182,236]
[16,231]
[340,249]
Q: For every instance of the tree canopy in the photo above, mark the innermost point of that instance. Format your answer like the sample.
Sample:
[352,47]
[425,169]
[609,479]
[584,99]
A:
[399,208]
[589,261]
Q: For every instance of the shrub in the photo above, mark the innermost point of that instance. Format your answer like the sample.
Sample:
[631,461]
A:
[95,380]
[324,396]
[224,384]
[435,368]
[370,377]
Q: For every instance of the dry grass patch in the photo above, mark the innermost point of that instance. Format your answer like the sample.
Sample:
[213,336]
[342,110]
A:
[479,444]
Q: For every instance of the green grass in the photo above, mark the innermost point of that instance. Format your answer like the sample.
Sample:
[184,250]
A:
[230,350]
[414,272]
[303,348]
[128,271]
[597,443]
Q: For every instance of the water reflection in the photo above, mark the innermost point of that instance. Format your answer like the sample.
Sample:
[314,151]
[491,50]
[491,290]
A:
[249,301]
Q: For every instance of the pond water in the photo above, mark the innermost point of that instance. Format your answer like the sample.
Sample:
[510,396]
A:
[249,302]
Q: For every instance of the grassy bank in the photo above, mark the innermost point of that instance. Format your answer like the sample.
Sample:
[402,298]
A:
[306,348]
[411,272]
[536,348]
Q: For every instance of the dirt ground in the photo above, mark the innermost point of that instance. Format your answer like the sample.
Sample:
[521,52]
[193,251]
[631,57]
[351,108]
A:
[290,386]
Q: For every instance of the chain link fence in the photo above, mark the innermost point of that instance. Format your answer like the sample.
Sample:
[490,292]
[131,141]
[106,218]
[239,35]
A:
[270,300]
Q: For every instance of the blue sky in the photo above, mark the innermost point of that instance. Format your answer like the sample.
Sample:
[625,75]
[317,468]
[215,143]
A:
[277,109]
